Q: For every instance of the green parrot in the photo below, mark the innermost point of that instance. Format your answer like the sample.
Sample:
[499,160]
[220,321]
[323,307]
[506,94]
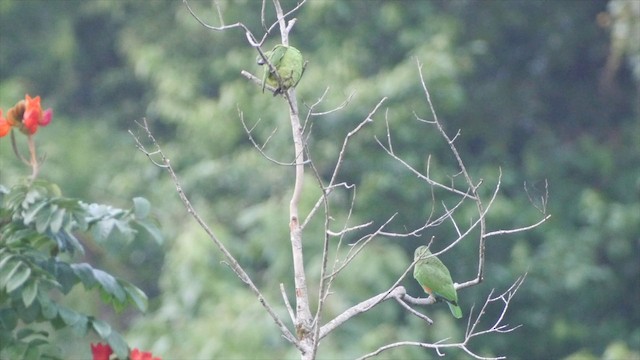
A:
[435,279]
[289,63]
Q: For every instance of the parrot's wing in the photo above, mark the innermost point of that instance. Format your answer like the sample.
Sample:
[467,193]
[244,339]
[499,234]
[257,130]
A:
[276,55]
[275,58]
[442,284]
[435,279]
[304,67]
[294,66]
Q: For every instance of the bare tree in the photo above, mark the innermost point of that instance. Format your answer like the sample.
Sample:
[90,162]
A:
[308,329]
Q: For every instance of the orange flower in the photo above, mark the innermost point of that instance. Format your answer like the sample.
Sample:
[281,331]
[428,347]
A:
[101,351]
[5,127]
[139,355]
[26,115]
[32,114]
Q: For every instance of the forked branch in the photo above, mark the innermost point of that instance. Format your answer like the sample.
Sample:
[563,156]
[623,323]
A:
[159,159]
[472,328]
[395,291]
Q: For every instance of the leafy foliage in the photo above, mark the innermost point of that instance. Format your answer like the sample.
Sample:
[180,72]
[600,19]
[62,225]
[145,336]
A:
[37,237]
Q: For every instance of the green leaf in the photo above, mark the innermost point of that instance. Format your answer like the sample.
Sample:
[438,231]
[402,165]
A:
[96,212]
[84,271]
[66,276]
[102,328]
[56,220]
[152,229]
[58,323]
[138,297]
[29,293]
[118,345]
[30,215]
[67,242]
[31,196]
[128,234]
[141,207]
[81,326]
[28,314]
[43,217]
[18,276]
[102,229]
[6,267]
[48,308]
[110,284]
[68,315]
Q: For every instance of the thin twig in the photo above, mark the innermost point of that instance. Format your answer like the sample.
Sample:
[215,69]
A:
[292,315]
[260,148]
[521,229]
[341,155]
[470,333]
[463,169]
[229,258]
[323,289]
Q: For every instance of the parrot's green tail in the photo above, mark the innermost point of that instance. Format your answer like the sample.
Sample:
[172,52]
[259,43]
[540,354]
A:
[455,310]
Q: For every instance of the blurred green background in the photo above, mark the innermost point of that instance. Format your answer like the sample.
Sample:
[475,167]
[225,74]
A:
[542,90]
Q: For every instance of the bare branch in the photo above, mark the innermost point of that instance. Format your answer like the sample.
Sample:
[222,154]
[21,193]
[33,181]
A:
[229,258]
[389,150]
[428,223]
[250,37]
[311,108]
[336,259]
[471,332]
[260,148]
[410,309]
[328,112]
[327,190]
[287,304]
[359,309]
[262,18]
[472,187]
[284,16]
[543,198]
[351,133]
[349,229]
[394,291]
[257,80]
[341,155]
[497,326]
[219,11]
[359,245]
[323,289]
[521,229]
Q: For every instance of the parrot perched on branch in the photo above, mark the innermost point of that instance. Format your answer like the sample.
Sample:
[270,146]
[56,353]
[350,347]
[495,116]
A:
[435,279]
[289,65]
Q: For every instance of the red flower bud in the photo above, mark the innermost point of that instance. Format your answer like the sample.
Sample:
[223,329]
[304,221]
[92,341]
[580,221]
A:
[139,355]
[46,117]
[101,351]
